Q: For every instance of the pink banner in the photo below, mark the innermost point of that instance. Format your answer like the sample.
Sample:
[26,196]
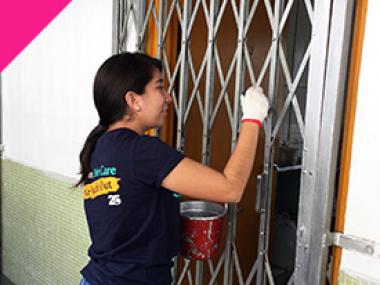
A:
[21,22]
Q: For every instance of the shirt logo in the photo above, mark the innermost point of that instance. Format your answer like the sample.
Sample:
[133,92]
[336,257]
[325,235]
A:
[101,186]
[114,200]
[103,171]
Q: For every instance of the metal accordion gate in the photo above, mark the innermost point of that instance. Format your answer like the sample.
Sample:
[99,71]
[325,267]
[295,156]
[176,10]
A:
[301,64]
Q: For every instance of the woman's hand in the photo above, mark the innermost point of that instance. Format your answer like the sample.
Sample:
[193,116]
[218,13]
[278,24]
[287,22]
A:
[254,105]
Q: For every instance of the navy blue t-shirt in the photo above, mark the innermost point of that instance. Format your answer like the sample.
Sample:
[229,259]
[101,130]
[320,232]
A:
[134,223]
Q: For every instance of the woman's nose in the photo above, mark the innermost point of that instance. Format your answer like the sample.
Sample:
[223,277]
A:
[168,98]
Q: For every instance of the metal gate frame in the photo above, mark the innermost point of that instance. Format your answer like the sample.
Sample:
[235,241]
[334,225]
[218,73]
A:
[326,55]
[326,92]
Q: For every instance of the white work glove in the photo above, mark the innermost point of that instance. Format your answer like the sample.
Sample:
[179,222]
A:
[254,105]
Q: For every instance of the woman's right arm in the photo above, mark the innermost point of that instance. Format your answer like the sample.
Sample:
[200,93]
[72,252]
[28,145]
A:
[196,180]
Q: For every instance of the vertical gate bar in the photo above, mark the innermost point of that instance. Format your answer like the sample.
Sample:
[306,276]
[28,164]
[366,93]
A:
[273,85]
[265,211]
[239,86]
[115,25]
[312,253]
[123,11]
[134,19]
[184,77]
[199,272]
[183,80]
[140,8]
[160,43]
[129,16]
[127,11]
[317,65]
[209,92]
[123,32]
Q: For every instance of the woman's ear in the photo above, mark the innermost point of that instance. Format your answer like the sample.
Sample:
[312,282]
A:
[133,101]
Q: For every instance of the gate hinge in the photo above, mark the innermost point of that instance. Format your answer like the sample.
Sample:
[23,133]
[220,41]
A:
[359,244]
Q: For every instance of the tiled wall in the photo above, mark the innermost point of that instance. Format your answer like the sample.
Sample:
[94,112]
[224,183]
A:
[45,235]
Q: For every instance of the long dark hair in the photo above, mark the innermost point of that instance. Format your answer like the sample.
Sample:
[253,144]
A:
[116,76]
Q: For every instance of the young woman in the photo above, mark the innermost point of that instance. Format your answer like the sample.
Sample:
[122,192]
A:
[131,180]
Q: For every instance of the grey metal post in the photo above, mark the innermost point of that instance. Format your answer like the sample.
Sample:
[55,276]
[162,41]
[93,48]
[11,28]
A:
[184,77]
[327,81]
[162,9]
[160,41]
[209,94]
[125,12]
[140,15]
[266,195]
[239,85]
[308,190]
[115,25]
[310,154]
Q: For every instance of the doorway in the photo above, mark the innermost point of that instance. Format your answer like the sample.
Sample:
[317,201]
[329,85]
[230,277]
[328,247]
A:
[212,51]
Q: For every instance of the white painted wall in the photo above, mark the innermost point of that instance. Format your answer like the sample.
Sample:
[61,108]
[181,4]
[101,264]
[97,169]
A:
[363,207]
[47,90]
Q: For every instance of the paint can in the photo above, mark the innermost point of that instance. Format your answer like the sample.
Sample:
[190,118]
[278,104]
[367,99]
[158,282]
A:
[201,226]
